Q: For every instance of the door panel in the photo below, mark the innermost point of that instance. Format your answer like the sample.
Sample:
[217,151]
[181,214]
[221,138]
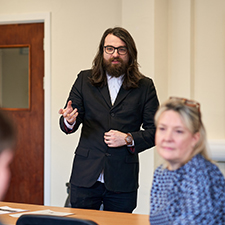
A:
[14,75]
[27,180]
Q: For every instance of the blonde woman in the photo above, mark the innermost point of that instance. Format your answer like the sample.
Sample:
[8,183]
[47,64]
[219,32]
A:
[189,188]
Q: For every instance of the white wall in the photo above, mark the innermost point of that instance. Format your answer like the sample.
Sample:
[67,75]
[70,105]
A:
[191,34]
[209,71]
[76,28]
[139,20]
[181,46]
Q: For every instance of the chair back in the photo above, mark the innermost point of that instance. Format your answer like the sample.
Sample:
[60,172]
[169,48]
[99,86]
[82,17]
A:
[29,219]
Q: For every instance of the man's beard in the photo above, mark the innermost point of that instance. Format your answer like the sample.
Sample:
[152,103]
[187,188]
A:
[115,70]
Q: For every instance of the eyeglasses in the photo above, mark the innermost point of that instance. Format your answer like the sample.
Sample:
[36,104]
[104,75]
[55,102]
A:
[122,50]
[190,103]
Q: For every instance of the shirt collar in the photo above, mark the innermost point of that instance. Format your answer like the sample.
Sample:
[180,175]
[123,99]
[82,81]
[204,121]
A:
[109,77]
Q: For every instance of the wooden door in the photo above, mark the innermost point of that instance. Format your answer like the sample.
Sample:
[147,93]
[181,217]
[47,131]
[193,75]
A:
[27,179]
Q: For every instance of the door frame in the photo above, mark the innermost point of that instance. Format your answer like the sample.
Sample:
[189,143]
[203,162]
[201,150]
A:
[46,19]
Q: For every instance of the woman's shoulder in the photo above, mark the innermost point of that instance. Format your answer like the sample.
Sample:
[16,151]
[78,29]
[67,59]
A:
[164,176]
[203,166]
[202,172]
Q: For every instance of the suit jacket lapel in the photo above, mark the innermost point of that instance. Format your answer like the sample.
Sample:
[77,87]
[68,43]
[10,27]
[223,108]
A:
[121,96]
[105,94]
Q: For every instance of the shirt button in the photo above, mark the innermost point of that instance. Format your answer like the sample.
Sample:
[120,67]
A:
[112,114]
[107,154]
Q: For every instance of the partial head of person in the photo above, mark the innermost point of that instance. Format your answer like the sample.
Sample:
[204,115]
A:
[116,56]
[7,144]
[180,133]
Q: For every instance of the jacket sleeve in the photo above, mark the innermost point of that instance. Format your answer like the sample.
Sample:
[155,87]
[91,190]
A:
[75,96]
[145,138]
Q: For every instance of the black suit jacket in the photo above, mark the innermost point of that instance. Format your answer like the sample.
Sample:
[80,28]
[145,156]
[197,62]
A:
[133,109]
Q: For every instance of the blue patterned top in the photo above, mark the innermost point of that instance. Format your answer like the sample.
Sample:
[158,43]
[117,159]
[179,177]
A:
[192,194]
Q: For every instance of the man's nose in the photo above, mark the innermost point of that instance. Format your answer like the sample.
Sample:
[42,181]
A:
[115,53]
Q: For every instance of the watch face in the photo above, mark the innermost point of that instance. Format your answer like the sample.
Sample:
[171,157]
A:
[129,140]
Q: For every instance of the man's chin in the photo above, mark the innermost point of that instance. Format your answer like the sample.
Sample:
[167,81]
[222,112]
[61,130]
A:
[115,68]
[115,72]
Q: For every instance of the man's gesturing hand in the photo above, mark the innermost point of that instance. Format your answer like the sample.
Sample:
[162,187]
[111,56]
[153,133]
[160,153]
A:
[68,113]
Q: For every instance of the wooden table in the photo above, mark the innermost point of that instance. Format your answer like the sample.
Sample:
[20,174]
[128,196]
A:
[100,217]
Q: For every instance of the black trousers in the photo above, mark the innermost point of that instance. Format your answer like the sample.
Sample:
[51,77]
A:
[97,195]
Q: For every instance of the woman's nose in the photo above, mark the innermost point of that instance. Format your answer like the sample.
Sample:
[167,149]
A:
[168,135]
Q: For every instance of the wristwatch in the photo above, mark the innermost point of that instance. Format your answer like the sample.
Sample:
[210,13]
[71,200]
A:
[129,139]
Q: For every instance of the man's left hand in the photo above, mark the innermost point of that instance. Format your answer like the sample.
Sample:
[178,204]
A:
[115,138]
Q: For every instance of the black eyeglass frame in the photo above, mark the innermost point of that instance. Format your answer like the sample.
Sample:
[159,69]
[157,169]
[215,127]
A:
[114,48]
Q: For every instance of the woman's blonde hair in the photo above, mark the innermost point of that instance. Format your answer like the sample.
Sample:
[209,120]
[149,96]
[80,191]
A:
[189,112]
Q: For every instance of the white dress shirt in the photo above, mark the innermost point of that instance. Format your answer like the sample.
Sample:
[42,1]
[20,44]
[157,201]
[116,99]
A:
[114,84]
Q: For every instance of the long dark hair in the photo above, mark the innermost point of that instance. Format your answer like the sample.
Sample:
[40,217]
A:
[132,75]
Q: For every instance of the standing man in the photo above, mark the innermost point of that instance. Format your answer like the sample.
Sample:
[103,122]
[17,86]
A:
[112,101]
